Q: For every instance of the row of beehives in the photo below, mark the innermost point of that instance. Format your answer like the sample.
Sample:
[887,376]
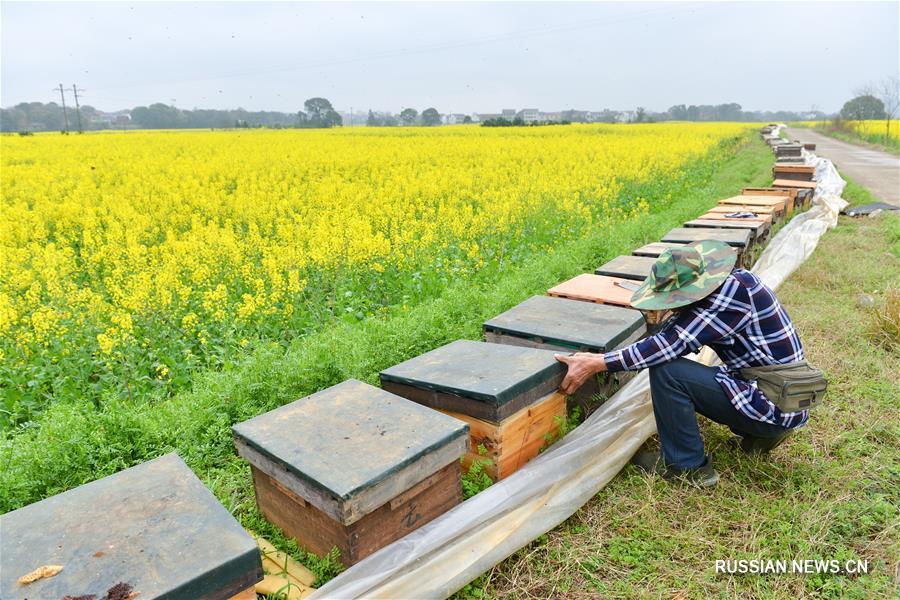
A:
[356,466]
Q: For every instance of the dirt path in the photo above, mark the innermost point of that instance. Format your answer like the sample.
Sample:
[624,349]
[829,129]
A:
[877,171]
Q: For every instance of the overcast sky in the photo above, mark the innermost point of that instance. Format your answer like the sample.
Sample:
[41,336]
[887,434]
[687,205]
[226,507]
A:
[457,57]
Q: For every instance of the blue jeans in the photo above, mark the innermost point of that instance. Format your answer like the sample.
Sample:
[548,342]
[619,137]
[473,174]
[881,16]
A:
[680,389]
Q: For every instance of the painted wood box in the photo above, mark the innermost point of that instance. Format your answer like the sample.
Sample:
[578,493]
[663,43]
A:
[565,325]
[788,195]
[798,172]
[654,249]
[790,149]
[722,213]
[568,326]
[352,467]
[508,394]
[616,291]
[736,238]
[759,229]
[627,267]
[154,527]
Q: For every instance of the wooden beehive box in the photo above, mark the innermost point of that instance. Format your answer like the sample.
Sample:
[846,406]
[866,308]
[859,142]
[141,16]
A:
[788,195]
[654,249]
[627,267]
[352,467]
[791,183]
[798,172]
[507,394]
[565,325]
[616,291]
[759,229]
[723,212]
[789,149]
[781,203]
[154,527]
[736,238]
[809,147]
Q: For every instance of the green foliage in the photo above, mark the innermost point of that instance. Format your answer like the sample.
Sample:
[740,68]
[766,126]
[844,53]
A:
[78,441]
[474,479]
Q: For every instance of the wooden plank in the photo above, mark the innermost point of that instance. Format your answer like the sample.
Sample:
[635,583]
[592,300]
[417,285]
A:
[790,195]
[511,444]
[616,291]
[655,249]
[155,527]
[722,215]
[627,267]
[759,229]
[562,324]
[768,211]
[811,185]
[318,533]
[794,168]
[395,444]
[733,237]
[487,381]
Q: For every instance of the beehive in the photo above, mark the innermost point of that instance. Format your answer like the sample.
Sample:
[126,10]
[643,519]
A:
[627,267]
[759,229]
[789,149]
[616,291]
[567,326]
[507,394]
[653,250]
[798,172]
[791,183]
[154,527]
[722,213]
[781,204]
[352,467]
[736,238]
[788,195]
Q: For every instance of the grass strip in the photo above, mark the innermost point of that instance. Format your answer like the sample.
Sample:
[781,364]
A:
[831,492]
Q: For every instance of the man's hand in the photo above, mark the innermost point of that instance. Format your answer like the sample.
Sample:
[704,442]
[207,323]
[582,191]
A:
[582,365]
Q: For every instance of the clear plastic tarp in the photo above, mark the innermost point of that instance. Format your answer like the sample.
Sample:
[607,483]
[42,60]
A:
[441,557]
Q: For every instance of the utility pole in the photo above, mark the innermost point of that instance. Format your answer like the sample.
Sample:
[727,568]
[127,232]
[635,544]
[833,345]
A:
[77,108]
[62,97]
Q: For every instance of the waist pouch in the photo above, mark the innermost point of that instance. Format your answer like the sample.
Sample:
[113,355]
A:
[792,387]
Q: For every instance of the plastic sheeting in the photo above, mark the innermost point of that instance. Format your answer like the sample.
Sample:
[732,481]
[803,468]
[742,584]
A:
[442,556]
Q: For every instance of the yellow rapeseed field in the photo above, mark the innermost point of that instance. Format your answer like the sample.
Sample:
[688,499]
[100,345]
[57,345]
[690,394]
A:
[130,259]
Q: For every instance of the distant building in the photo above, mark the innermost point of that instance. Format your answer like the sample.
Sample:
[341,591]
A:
[508,113]
[550,116]
[529,115]
[453,118]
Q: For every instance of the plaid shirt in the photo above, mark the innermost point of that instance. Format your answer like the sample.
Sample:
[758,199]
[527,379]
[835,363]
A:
[745,325]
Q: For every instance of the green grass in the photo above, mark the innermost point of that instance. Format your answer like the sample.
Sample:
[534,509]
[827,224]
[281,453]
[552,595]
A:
[72,443]
[831,492]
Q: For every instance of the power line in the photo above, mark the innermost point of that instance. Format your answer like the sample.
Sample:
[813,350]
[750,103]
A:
[77,108]
[62,97]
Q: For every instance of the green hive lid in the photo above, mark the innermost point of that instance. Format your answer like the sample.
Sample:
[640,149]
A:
[352,447]
[154,527]
[627,267]
[733,237]
[656,248]
[489,374]
[583,326]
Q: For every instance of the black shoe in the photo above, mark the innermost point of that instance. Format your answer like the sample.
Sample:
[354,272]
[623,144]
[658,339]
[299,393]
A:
[652,462]
[757,445]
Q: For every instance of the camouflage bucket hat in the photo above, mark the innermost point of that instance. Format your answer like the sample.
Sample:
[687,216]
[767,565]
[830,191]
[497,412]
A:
[681,276]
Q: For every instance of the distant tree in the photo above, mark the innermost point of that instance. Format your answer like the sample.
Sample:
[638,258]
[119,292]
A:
[467,119]
[430,116]
[372,120]
[678,112]
[863,108]
[640,115]
[408,116]
[889,94]
[728,112]
[321,114]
